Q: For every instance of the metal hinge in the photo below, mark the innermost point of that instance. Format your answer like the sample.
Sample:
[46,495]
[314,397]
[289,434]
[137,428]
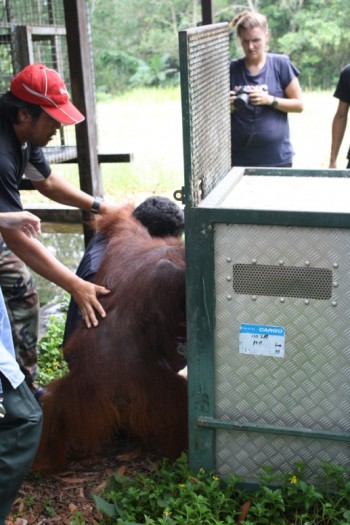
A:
[179,195]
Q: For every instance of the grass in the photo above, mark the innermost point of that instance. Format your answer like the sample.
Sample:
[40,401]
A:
[148,123]
[311,132]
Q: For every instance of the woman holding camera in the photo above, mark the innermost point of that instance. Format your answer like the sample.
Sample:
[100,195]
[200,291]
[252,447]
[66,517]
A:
[264,88]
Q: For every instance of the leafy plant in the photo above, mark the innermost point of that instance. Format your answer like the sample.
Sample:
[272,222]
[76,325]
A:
[77,519]
[173,495]
[51,362]
[48,506]
[157,72]
[29,501]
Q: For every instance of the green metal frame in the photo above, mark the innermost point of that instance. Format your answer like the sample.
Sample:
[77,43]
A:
[186,127]
[200,342]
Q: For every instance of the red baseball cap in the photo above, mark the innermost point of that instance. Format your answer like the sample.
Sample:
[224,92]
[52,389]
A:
[44,87]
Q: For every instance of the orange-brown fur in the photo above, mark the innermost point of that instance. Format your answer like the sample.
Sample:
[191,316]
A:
[123,373]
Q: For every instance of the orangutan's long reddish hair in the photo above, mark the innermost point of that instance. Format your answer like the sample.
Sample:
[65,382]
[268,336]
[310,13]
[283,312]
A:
[123,373]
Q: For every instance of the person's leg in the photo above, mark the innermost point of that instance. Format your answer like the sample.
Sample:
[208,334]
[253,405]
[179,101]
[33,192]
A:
[22,304]
[20,432]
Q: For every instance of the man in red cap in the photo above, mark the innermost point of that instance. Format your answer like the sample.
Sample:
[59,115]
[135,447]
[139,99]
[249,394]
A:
[31,113]
[42,86]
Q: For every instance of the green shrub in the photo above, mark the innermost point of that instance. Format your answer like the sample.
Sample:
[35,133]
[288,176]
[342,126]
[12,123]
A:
[173,495]
[51,363]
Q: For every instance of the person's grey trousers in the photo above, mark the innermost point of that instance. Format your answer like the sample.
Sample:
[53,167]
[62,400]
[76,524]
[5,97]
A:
[20,432]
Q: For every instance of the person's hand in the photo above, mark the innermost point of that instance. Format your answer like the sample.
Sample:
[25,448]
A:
[85,295]
[332,164]
[21,220]
[258,97]
[232,101]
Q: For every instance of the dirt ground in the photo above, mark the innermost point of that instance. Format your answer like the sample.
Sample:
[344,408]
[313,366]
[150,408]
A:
[59,498]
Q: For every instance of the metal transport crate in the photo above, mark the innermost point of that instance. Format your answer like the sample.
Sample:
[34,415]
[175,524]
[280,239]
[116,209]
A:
[268,294]
[269,331]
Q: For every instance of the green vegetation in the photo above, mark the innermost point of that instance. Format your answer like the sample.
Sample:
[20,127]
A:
[173,495]
[139,44]
[51,363]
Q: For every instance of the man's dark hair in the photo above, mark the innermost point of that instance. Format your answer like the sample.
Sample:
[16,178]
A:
[10,105]
[160,216]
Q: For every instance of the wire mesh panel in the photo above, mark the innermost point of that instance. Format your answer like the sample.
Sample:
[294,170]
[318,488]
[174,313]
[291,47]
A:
[32,12]
[6,61]
[32,32]
[204,60]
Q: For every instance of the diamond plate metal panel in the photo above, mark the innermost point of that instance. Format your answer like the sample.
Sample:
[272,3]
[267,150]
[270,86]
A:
[309,387]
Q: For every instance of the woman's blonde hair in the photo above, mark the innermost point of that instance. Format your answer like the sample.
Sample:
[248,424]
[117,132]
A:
[248,20]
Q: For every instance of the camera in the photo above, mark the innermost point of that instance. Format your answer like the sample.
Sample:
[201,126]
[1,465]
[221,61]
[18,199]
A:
[242,95]
[242,99]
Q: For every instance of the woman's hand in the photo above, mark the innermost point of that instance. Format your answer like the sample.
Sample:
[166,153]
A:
[259,97]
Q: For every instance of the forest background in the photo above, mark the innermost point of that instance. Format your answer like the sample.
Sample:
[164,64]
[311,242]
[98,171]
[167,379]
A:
[135,43]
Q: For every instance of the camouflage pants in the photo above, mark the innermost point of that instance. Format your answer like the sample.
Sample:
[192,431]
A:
[22,304]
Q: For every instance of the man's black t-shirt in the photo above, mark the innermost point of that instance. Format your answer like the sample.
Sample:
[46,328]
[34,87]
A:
[342,91]
[15,160]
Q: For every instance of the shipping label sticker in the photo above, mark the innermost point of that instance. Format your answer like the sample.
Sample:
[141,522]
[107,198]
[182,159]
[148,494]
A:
[256,339]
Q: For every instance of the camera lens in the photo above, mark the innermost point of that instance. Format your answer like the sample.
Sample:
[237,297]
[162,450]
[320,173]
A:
[241,101]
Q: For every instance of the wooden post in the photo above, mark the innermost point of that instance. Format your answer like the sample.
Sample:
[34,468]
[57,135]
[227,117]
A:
[83,96]
[207,12]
